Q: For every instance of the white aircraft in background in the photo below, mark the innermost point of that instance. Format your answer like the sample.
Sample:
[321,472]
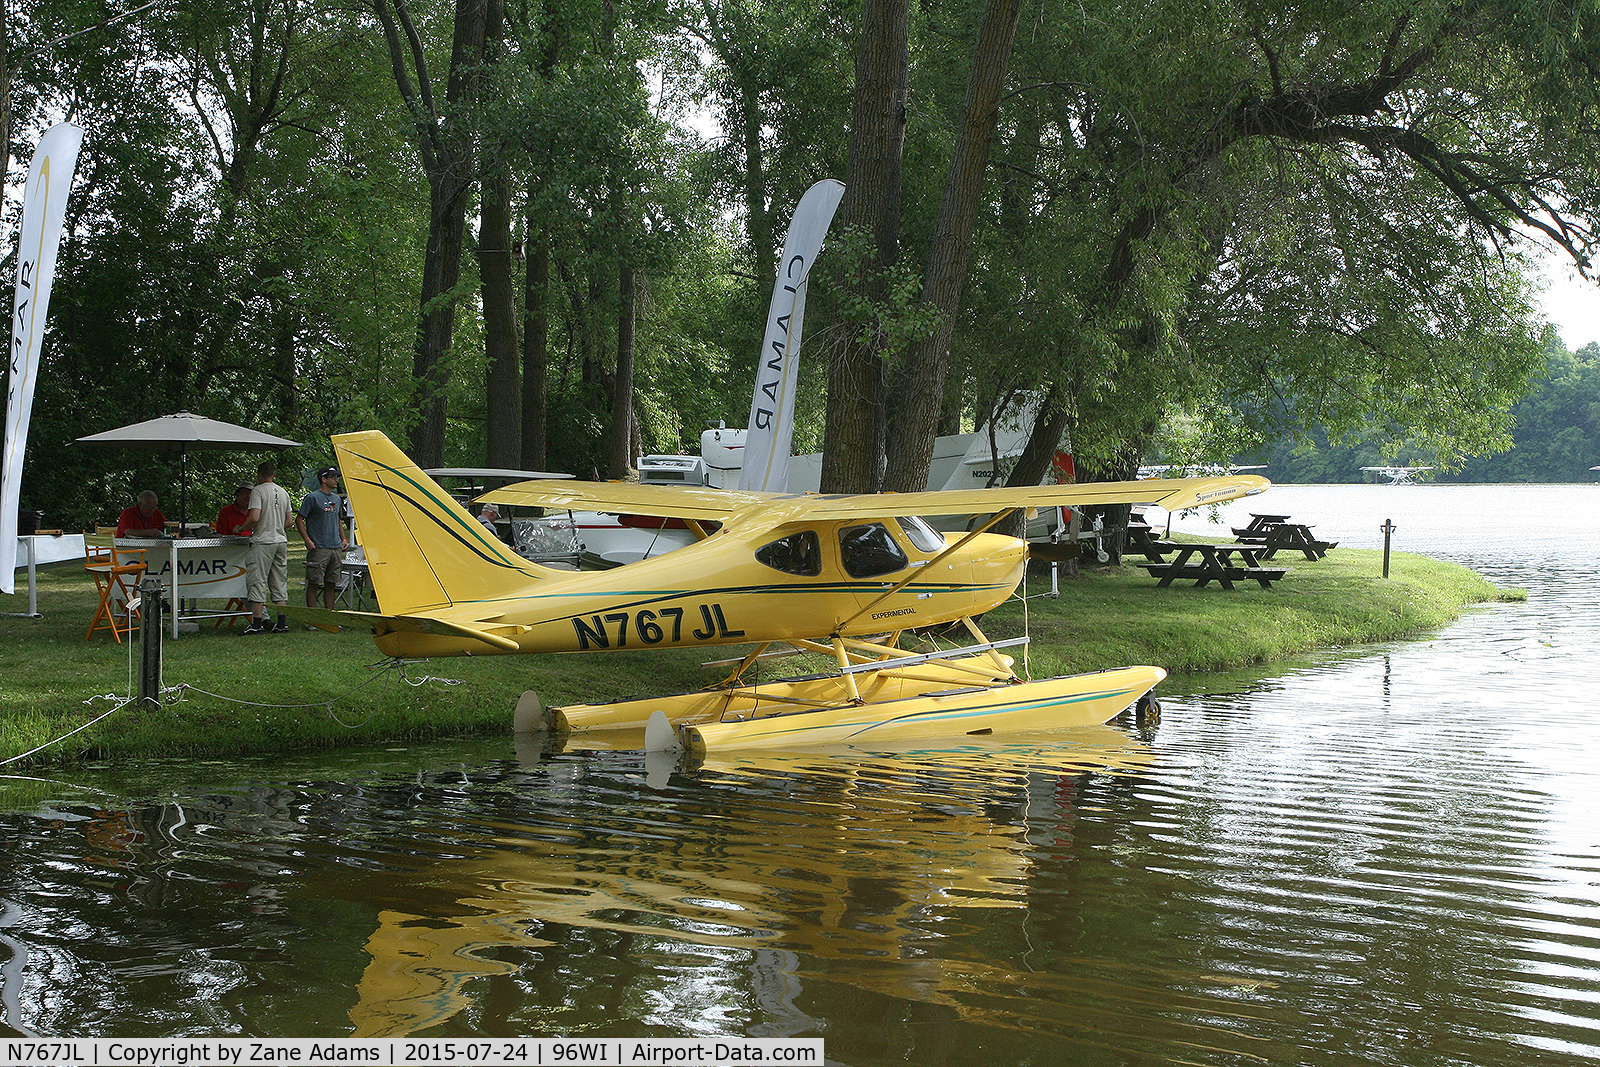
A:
[1398,475]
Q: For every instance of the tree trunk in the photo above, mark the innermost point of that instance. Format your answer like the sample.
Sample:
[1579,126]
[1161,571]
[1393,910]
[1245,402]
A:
[441,271]
[917,391]
[536,283]
[445,145]
[502,392]
[621,436]
[871,205]
[536,349]
[1049,427]
[758,218]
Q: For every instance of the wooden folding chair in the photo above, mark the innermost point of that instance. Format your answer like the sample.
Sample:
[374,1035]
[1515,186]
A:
[115,572]
[234,604]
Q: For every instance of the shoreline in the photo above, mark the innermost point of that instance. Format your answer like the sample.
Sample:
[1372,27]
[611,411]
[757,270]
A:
[306,691]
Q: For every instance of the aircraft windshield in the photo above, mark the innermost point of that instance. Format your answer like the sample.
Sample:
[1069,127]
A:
[923,537]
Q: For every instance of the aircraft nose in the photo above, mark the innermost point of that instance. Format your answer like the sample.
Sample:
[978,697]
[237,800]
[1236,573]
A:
[996,547]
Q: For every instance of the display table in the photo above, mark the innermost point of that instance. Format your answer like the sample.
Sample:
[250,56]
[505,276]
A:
[37,550]
[195,568]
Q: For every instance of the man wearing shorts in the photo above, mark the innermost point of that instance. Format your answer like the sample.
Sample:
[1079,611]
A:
[320,521]
[268,574]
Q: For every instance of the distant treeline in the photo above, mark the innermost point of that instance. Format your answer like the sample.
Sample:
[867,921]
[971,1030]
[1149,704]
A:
[1556,437]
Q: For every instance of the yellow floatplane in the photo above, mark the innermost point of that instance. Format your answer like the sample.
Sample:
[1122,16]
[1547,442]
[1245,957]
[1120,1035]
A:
[847,576]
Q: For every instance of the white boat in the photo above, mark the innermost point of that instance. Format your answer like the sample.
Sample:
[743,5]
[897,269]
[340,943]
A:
[550,539]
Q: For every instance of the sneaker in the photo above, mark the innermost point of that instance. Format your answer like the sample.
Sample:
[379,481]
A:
[282,627]
[257,626]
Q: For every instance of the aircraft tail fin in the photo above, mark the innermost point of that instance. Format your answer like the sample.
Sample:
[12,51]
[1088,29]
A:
[424,550]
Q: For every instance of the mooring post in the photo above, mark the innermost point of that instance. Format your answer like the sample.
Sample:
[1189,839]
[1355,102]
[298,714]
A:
[1388,529]
[151,592]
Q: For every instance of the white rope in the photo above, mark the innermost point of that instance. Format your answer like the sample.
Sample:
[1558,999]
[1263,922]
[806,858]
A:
[426,678]
[66,735]
[173,694]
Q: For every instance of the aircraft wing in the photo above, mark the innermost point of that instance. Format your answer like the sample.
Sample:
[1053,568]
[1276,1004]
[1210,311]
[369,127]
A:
[1173,494]
[667,501]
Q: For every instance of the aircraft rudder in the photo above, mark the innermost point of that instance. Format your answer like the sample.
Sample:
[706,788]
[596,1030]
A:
[424,550]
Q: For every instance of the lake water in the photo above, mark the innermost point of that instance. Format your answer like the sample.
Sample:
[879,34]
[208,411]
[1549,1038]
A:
[1386,855]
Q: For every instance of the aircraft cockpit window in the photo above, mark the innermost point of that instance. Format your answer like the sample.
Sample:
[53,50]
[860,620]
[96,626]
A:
[923,537]
[869,550]
[799,553]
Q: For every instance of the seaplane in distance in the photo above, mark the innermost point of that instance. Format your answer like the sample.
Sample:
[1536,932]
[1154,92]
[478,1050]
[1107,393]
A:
[854,578]
[1398,475]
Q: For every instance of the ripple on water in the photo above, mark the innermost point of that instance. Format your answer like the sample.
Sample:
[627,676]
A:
[1382,855]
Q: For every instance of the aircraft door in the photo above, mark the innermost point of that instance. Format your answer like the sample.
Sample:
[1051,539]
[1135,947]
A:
[870,550]
[874,560]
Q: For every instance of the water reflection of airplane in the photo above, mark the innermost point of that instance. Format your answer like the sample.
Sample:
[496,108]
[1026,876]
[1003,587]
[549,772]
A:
[1398,475]
[903,846]
[849,577]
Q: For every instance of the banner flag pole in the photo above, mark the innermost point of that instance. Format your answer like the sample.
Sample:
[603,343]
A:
[771,427]
[44,208]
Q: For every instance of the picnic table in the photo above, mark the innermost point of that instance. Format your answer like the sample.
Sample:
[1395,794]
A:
[1269,533]
[1141,538]
[1206,561]
[1259,525]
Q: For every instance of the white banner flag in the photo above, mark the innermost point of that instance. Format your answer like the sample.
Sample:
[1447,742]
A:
[44,206]
[771,426]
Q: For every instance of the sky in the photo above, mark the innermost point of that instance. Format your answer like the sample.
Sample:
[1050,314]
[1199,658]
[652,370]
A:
[1572,305]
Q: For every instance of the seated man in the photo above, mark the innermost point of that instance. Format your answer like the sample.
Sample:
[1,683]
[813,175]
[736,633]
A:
[144,519]
[234,517]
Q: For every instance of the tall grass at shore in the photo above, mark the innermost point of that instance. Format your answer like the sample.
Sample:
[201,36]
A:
[230,695]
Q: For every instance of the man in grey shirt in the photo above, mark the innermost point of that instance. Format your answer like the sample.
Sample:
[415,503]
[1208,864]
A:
[268,574]
[320,521]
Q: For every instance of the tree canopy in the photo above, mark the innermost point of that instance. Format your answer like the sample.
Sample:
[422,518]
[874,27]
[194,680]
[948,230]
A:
[543,233]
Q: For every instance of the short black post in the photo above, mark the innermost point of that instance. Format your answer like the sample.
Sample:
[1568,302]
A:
[1388,529]
[151,594]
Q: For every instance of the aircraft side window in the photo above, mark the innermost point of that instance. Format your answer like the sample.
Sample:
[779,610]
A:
[799,553]
[869,550]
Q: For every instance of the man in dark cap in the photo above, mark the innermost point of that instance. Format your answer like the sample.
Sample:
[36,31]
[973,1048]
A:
[320,521]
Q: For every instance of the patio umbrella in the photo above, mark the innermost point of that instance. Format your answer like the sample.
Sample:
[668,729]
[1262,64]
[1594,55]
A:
[182,433]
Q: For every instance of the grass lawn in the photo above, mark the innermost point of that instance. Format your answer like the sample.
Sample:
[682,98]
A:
[230,695]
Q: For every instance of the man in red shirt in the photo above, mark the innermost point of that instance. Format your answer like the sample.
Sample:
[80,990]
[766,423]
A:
[144,519]
[234,517]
